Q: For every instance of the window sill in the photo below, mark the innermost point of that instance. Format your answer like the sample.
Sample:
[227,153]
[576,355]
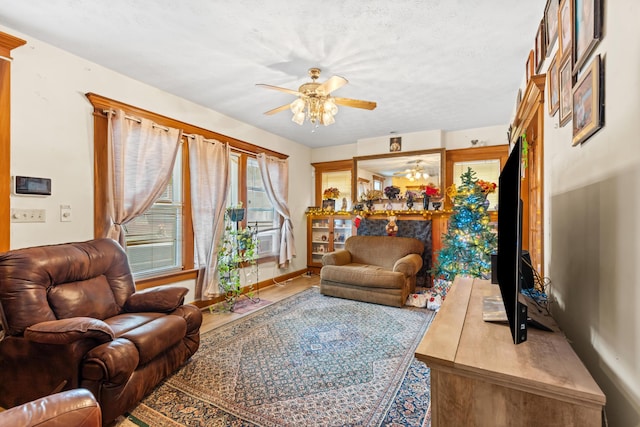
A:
[150,282]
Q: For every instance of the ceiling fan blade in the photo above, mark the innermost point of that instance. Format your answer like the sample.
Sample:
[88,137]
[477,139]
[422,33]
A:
[355,103]
[335,82]
[281,89]
[277,110]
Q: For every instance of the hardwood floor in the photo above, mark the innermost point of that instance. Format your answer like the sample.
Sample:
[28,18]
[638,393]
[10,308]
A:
[272,293]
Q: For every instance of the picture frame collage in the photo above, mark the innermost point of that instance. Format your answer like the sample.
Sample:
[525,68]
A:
[575,77]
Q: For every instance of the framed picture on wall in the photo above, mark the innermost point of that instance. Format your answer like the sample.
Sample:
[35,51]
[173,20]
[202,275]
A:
[553,92]
[587,30]
[588,102]
[550,24]
[540,47]
[395,144]
[529,66]
[564,29]
[565,77]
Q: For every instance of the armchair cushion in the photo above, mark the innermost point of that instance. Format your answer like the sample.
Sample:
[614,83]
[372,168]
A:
[163,300]
[89,298]
[66,331]
[71,408]
[409,265]
[339,257]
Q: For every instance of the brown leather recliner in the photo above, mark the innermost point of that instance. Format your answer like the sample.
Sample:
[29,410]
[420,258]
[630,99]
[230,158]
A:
[72,318]
[71,408]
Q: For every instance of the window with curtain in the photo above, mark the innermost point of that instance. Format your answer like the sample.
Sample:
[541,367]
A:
[154,239]
[161,242]
[260,213]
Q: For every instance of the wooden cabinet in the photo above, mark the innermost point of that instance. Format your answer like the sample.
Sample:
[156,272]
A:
[480,378]
[326,233]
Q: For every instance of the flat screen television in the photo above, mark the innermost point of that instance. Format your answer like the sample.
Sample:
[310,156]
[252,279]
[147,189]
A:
[509,259]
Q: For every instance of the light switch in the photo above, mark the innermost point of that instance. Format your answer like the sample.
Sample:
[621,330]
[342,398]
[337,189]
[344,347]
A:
[28,215]
[65,213]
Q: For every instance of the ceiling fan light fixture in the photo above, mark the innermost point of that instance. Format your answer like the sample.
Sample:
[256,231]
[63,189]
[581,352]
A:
[297,106]
[315,103]
[330,106]
[327,118]
[298,117]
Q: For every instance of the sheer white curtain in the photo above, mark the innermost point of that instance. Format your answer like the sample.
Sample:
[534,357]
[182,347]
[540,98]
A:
[140,158]
[275,175]
[209,168]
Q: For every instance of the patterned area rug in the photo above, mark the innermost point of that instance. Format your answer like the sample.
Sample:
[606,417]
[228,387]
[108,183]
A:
[307,360]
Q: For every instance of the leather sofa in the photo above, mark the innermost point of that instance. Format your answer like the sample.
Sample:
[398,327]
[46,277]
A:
[72,318]
[377,269]
[71,408]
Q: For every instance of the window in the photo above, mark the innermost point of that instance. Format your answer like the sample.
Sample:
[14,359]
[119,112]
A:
[340,180]
[154,239]
[161,242]
[261,214]
[486,170]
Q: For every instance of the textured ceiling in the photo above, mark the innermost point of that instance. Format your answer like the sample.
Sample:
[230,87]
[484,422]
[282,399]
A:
[429,64]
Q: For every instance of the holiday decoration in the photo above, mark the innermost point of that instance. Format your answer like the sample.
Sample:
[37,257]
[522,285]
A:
[470,240]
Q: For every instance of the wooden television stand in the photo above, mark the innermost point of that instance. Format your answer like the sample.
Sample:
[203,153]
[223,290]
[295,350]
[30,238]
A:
[480,378]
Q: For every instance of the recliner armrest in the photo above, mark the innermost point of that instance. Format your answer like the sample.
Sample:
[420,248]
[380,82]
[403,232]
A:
[409,265]
[161,299]
[340,257]
[77,408]
[66,331]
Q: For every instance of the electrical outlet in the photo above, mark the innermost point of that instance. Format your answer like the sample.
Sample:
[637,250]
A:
[28,215]
[65,213]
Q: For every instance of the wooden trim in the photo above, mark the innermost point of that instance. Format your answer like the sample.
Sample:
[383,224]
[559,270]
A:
[187,220]
[101,103]
[533,95]
[334,166]
[530,118]
[100,177]
[500,152]
[7,44]
[258,286]
[166,279]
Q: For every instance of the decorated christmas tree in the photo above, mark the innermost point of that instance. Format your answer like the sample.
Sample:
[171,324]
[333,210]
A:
[470,240]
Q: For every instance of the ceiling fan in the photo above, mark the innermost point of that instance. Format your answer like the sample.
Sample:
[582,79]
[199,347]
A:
[315,102]
[413,173]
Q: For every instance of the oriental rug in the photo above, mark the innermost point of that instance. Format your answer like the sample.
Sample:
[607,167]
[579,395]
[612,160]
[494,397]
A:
[308,360]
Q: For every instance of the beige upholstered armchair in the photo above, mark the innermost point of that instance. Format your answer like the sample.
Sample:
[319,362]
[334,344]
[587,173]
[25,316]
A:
[377,269]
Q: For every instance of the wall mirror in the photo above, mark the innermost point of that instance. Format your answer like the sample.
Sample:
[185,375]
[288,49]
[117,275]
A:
[408,171]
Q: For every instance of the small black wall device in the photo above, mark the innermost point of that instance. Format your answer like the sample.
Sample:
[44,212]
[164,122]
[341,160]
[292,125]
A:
[32,186]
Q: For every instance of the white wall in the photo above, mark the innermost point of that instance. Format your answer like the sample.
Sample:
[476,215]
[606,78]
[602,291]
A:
[52,136]
[415,141]
[592,233]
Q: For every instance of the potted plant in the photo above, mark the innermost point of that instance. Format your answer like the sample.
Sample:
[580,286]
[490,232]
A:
[391,192]
[429,191]
[236,213]
[370,196]
[330,195]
